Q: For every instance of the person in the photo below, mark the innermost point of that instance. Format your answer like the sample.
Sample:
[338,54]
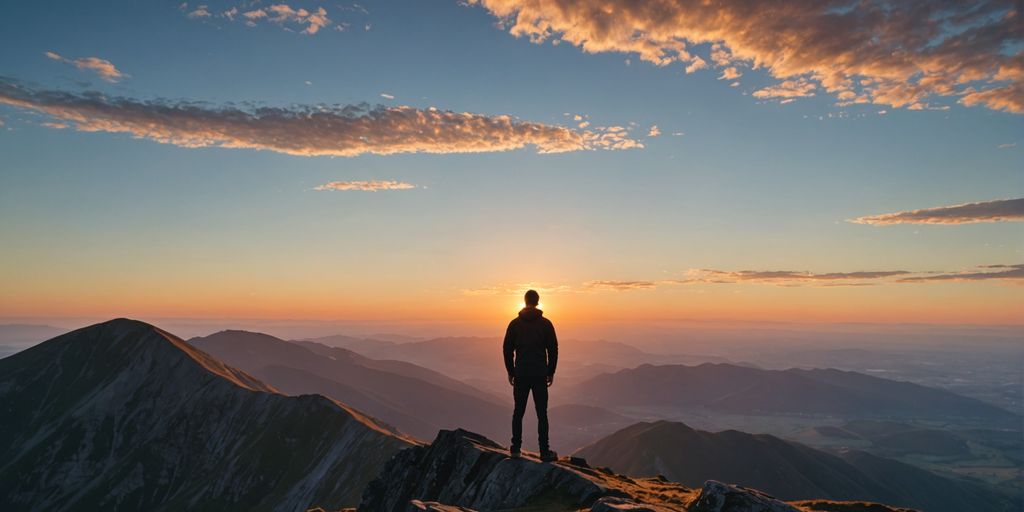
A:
[531,356]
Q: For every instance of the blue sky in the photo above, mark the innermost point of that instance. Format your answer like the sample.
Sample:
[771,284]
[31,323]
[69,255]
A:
[731,183]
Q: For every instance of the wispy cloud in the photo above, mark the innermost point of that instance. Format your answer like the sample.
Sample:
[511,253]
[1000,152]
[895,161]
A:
[102,67]
[1009,145]
[313,130]
[887,52]
[306,21]
[787,90]
[999,210]
[654,131]
[785,277]
[387,96]
[620,285]
[781,278]
[1001,272]
[366,186]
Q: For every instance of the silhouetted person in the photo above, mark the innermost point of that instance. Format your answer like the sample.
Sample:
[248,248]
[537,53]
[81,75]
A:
[531,354]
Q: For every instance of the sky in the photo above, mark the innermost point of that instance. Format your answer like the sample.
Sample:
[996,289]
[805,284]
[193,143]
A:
[416,161]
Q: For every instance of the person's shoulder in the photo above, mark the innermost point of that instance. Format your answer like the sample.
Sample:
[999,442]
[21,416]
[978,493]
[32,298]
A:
[514,321]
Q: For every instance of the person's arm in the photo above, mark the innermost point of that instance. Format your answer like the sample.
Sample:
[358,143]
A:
[552,348]
[508,349]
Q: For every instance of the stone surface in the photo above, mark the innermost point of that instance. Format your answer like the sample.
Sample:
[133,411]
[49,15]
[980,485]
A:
[464,469]
[617,504]
[719,497]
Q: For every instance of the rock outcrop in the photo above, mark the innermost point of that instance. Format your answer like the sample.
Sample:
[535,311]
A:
[463,472]
[464,469]
[719,497]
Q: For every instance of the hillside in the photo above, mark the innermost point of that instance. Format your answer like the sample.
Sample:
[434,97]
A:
[416,400]
[124,416]
[742,390]
[783,468]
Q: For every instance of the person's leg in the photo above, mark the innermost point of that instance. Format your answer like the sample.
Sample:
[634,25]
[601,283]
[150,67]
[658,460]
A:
[540,402]
[520,392]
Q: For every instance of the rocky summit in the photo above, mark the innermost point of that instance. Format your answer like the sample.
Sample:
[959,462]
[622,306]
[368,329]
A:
[464,471]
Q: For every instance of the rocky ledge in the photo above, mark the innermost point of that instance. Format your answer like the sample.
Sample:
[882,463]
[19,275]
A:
[464,472]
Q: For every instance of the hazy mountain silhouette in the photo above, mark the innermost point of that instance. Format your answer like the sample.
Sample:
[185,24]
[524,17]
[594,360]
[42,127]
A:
[895,439]
[785,469]
[416,400]
[122,415]
[742,390]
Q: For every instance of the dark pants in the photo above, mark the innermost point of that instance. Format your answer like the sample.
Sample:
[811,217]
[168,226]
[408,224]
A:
[521,391]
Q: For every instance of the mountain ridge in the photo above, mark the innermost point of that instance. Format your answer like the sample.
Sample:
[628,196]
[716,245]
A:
[123,415]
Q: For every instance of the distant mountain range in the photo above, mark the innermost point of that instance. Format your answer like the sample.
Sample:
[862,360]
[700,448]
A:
[416,400]
[743,390]
[124,416]
[785,469]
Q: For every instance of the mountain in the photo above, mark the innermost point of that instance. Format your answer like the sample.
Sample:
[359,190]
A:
[742,390]
[477,360]
[417,401]
[124,416]
[786,469]
[462,471]
[360,345]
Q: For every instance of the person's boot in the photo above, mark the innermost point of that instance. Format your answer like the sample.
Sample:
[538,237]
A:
[513,452]
[548,455]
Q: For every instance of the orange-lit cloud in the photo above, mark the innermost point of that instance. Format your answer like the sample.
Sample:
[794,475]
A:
[315,130]
[1002,272]
[620,285]
[366,186]
[986,211]
[783,278]
[104,68]
[308,21]
[786,277]
[903,54]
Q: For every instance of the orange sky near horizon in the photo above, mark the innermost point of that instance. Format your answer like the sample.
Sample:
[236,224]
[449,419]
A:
[932,303]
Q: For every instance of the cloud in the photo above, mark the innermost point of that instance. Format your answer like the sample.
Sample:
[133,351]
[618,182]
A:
[387,96]
[999,210]
[104,68]
[730,73]
[1000,272]
[1009,145]
[887,52]
[283,14]
[366,186]
[201,11]
[313,130]
[310,21]
[620,285]
[788,89]
[785,277]
[654,131]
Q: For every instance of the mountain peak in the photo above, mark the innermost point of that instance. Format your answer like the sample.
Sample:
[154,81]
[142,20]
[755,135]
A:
[124,415]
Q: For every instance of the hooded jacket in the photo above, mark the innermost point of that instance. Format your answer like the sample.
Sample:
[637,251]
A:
[530,348]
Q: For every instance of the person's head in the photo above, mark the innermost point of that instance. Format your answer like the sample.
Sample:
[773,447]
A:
[531,299]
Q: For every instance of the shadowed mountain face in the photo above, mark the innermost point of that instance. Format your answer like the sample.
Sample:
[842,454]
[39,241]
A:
[416,400]
[786,469]
[124,416]
[735,389]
